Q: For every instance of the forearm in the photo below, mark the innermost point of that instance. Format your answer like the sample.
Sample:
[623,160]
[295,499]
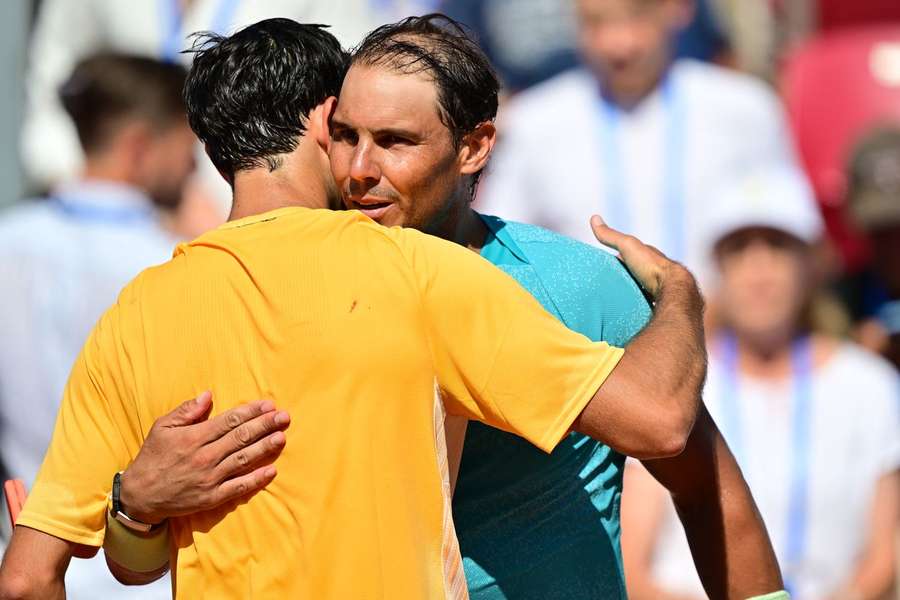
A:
[34,566]
[663,367]
[728,539]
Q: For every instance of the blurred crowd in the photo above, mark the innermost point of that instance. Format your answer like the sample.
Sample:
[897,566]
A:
[757,141]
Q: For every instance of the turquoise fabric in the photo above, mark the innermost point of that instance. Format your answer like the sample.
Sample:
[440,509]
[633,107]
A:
[533,525]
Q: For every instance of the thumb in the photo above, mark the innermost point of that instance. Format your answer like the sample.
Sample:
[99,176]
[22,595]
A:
[605,234]
[190,412]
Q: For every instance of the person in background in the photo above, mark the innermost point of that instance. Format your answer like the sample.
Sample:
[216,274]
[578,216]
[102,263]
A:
[634,134]
[813,421]
[875,208]
[67,31]
[66,258]
[534,40]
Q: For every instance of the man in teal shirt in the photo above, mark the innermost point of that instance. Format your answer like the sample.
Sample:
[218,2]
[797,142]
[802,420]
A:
[528,521]
[410,135]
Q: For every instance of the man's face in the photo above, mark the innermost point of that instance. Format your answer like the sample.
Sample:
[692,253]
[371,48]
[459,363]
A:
[765,280]
[392,157]
[627,43]
[168,162]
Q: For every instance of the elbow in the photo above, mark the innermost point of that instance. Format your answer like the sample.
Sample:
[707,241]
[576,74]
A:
[670,435]
[671,443]
[18,586]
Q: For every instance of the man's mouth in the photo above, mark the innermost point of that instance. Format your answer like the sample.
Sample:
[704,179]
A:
[371,207]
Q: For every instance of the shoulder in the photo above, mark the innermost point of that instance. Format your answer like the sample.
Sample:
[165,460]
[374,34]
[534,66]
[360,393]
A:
[867,369]
[727,89]
[602,265]
[28,219]
[586,282]
[550,99]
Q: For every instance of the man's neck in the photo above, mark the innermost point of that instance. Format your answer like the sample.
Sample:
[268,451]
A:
[464,227]
[627,100]
[259,190]
[107,168]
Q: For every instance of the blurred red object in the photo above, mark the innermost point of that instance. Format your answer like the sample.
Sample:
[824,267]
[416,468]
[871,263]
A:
[14,489]
[837,87]
[842,13]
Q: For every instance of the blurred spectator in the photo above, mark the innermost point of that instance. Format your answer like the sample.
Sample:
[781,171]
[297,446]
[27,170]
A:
[529,41]
[68,30]
[875,209]
[813,421]
[388,11]
[634,136]
[65,258]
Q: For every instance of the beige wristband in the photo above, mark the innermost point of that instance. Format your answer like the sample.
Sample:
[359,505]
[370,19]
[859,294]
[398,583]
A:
[138,552]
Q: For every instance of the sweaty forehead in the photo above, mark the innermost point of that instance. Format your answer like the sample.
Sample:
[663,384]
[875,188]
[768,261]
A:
[375,96]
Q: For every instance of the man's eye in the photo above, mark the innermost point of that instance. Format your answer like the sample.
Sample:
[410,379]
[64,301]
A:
[343,135]
[393,140]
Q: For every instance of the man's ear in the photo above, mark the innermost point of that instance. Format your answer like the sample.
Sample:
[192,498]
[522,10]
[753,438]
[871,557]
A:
[322,127]
[476,148]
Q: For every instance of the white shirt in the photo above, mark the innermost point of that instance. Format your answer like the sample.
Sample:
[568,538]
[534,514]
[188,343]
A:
[70,30]
[550,166]
[854,440]
[62,263]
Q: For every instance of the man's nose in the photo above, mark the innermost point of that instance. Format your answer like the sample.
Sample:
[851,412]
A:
[364,166]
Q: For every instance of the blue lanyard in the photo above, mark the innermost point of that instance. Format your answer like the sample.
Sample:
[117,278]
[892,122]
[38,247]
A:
[801,414]
[86,213]
[171,19]
[617,201]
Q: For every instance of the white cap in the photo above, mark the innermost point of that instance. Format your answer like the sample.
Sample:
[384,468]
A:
[775,196]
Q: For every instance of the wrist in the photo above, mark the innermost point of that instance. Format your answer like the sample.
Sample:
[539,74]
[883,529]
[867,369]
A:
[131,504]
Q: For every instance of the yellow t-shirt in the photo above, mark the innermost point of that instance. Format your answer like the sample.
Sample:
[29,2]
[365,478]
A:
[348,326]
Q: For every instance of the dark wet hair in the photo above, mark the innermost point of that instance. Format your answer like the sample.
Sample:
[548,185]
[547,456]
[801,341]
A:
[248,95]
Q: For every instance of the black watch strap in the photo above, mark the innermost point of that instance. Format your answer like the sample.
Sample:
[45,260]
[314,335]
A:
[116,493]
[119,514]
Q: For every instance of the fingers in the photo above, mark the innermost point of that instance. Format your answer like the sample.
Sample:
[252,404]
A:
[232,419]
[245,434]
[188,413]
[252,482]
[263,451]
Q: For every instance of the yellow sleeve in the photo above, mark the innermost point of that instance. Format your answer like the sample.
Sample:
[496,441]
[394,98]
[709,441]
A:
[500,357]
[96,435]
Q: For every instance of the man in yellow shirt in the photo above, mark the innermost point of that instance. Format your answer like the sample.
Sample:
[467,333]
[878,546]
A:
[368,335]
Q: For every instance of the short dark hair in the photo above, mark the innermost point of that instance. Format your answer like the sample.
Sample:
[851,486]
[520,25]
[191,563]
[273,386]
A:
[439,46]
[108,89]
[249,94]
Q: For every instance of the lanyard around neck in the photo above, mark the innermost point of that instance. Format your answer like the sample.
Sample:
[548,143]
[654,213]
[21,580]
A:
[171,18]
[801,417]
[618,203]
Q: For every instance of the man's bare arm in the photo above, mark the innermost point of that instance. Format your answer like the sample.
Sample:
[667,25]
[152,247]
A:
[34,566]
[664,365]
[729,542]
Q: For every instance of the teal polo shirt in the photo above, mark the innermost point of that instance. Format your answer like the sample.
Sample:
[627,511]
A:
[533,525]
